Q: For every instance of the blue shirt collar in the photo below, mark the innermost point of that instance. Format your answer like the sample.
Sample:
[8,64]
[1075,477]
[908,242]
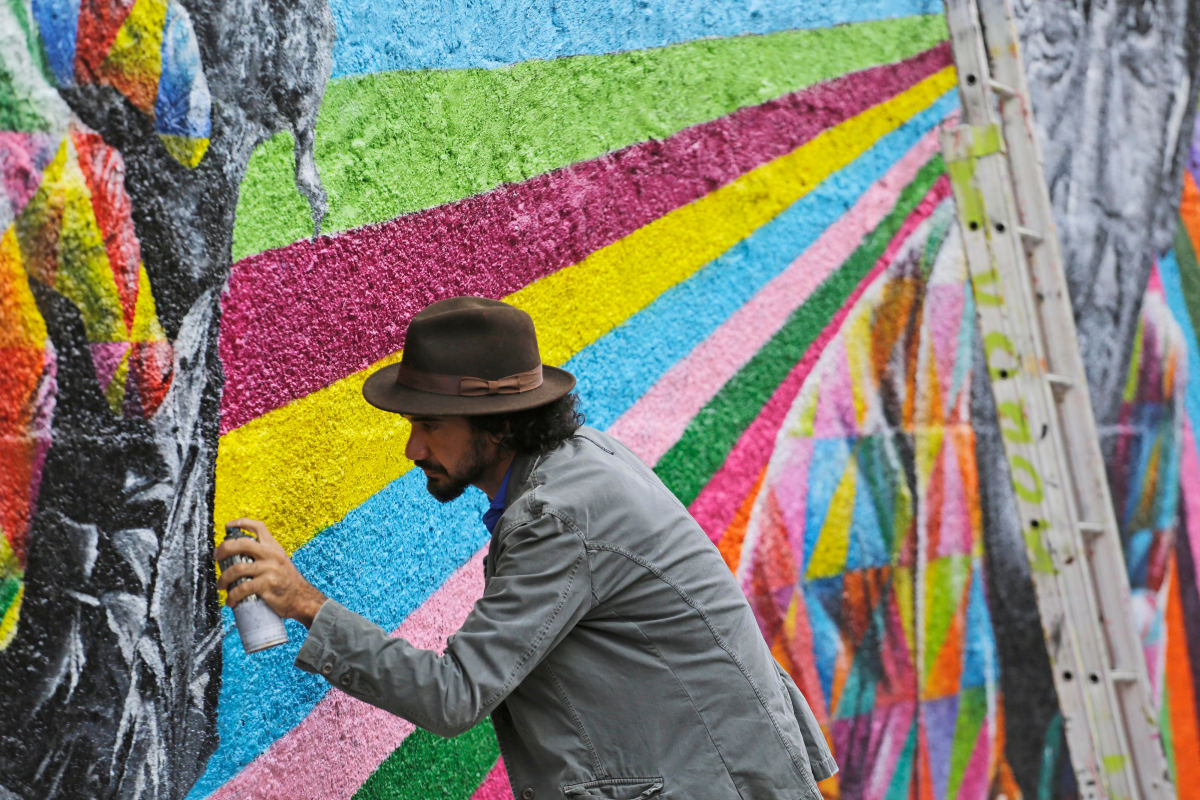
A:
[496,508]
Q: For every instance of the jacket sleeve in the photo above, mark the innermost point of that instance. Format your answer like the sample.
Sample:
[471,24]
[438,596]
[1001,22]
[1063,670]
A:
[540,589]
[819,757]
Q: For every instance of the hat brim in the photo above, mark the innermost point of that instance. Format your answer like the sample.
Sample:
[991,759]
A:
[382,391]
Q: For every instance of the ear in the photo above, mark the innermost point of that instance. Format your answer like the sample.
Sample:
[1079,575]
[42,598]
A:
[497,438]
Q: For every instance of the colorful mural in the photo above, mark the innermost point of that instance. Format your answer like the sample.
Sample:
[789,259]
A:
[730,296]
[1178,632]
[863,549]
[116,216]
[71,234]
[145,49]
[730,221]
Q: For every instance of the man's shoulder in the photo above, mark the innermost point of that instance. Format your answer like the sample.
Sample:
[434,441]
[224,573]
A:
[588,449]
[592,470]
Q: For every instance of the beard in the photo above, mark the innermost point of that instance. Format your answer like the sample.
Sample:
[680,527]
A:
[446,486]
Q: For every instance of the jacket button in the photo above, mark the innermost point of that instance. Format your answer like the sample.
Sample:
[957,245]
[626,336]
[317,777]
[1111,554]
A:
[527,794]
[345,679]
[328,668]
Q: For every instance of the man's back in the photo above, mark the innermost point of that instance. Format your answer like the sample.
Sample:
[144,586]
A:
[666,676]
[612,646]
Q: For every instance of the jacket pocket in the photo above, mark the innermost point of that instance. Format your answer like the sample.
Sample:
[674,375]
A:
[615,788]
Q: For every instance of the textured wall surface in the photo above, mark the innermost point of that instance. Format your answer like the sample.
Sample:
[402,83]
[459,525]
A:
[696,233]
[729,219]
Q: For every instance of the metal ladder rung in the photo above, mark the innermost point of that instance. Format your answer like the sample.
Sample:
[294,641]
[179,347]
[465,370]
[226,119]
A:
[1122,676]
[1092,529]
[1029,234]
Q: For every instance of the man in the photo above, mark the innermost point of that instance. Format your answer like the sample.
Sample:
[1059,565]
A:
[612,646]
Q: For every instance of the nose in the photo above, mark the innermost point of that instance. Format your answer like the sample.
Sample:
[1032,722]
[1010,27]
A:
[416,449]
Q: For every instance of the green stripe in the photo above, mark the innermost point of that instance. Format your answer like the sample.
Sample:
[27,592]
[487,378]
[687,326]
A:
[1052,747]
[8,591]
[1166,731]
[395,142]
[900,786]
[1189,273]
[427,766]
[712,433]
[972,710]
[32,40]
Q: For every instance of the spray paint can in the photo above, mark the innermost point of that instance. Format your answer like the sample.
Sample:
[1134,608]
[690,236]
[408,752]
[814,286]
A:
[259,626]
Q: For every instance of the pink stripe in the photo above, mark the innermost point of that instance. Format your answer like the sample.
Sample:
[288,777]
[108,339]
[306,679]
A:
[657,420]
[336,748]
[717,502]
[299,318]
[495,786]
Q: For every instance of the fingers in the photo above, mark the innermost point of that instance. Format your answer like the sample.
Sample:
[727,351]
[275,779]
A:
[266,538]
[237,594]
[259,529]
[238,571]
[240,547]
[249,524]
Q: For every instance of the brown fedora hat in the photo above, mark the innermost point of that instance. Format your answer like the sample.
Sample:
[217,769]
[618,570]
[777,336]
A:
[467,356]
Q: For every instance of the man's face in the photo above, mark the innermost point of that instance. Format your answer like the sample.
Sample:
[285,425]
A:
[452,453]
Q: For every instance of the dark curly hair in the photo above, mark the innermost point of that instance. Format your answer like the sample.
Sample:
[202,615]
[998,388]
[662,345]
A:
[534,430]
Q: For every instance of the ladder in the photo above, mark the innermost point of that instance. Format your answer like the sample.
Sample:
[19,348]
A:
[1045,415]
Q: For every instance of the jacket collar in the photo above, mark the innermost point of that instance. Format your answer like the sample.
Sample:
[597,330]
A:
[520,480]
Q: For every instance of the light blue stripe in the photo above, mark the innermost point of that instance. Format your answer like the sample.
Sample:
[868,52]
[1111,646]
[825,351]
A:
[387,556]
[653,340]
[380,35]
[1168,270]
[383,560]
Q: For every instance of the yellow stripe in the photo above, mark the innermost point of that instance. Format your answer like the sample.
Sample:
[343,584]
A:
[302,467]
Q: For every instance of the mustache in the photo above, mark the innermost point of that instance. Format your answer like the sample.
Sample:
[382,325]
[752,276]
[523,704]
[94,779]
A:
[431,466]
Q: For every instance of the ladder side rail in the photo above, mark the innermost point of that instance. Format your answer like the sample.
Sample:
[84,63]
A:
[1058,318]
[1045,260]
[1093,496]
[1103,711]
[1067,545]
[1012,347]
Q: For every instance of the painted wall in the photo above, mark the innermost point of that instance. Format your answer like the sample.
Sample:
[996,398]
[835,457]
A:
[1180,281]
[729,220]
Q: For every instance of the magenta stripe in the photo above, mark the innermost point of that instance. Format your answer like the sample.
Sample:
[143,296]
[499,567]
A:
[343,740]
[495,786]
[721,497]
[299,318]
[1194,152]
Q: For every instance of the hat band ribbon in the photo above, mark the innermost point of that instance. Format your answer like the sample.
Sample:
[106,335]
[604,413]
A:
[467,386]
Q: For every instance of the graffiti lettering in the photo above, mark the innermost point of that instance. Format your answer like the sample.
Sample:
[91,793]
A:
[998,341]
[991,297]
[1031,492]
[1015,412]
[1039,556]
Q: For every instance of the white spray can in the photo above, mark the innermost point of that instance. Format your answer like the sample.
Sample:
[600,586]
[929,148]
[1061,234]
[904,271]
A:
[259,626]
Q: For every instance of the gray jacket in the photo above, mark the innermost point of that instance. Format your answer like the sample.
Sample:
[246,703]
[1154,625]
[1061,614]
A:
[612,647]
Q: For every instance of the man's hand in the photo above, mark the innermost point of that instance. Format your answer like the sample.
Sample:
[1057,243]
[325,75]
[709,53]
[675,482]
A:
[273,577]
